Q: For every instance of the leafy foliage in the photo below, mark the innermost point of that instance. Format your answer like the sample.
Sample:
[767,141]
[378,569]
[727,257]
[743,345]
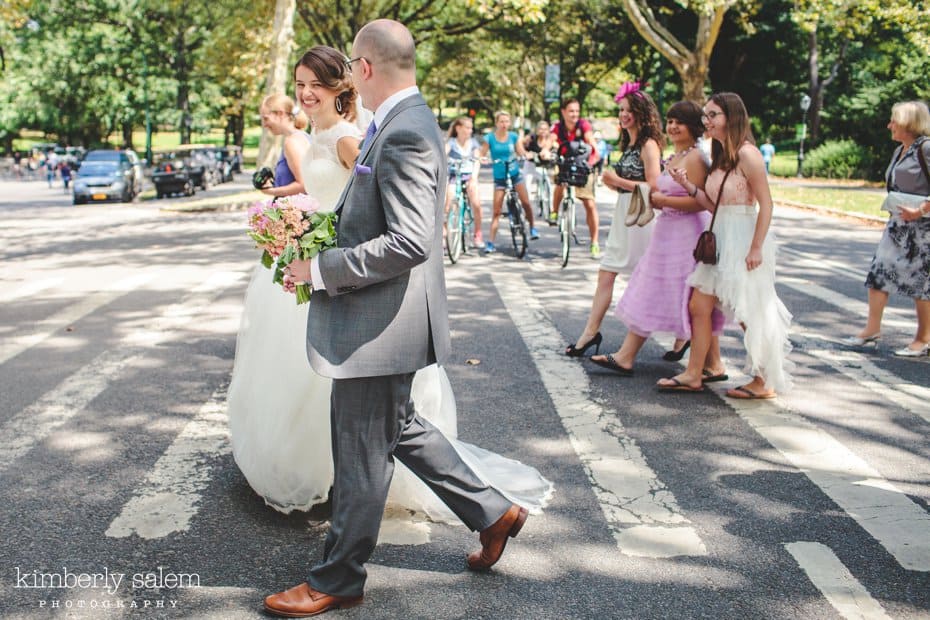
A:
[837,159]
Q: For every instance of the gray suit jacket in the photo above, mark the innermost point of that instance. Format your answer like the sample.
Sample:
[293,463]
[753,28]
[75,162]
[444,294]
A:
[384,308]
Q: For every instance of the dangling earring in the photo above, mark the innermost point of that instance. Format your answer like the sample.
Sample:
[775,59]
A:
[339,105]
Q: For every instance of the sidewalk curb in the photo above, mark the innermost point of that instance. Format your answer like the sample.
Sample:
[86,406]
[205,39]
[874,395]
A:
[237,202]
[871,219]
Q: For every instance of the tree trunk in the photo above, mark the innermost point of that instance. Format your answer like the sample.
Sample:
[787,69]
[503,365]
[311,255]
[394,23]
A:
[818,85]
[282,40]
[127,135]
[183,101]
[692,65]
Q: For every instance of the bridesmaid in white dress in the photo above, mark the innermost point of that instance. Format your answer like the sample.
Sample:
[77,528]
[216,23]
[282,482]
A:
[742,283]
[281,437]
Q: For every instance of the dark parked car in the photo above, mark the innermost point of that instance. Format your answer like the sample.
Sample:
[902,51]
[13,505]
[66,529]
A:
[172,175]
[199,165]
[104,180]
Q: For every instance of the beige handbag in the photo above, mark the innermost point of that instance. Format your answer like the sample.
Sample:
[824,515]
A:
[640,211]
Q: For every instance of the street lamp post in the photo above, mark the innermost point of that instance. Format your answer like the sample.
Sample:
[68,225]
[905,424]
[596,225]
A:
[805,106]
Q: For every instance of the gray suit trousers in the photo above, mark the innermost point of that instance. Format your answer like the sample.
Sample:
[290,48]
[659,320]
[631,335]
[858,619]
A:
[373,421]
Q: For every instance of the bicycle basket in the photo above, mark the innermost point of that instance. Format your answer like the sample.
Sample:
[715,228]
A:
[573,164]
[573,173]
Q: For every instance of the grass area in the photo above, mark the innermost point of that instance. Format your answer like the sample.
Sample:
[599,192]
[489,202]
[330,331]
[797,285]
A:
[843,199]
[160,139]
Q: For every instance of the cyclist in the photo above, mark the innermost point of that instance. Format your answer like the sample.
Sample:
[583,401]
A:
[503,145]
[462,146]
[570,128]
[541,145]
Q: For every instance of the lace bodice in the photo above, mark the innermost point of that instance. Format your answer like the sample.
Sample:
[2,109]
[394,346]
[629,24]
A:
[324,176]
[323,143]
[735,192]
[631,165]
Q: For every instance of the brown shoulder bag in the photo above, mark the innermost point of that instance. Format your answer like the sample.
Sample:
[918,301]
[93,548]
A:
[706,249]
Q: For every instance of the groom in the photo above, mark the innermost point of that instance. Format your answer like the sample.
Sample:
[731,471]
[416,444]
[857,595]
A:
[377,316]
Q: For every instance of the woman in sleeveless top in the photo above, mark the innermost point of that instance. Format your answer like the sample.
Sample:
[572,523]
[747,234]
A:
[656,298]
[462,145]
[902,259]
[282,118]
[279,409]
[742,282]
[641,134]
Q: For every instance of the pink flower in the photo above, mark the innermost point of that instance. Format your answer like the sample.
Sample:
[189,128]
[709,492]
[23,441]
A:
[627,88]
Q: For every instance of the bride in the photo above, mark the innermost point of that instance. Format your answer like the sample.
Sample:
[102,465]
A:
[281,437]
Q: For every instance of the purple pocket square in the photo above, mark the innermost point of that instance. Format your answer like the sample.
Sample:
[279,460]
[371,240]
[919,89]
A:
[360,169]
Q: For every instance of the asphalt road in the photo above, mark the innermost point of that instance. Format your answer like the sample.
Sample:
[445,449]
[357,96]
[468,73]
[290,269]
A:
[117,337]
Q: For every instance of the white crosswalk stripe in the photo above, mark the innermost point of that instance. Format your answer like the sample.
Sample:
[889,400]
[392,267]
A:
[878,506]
[45,328]
[75,392]
[167,501]
[641,511]
[834,580]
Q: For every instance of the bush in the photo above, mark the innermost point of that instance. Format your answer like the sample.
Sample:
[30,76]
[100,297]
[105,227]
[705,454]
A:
[838,159]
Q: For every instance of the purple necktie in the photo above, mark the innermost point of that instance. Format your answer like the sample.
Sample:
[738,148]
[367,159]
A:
[368,135]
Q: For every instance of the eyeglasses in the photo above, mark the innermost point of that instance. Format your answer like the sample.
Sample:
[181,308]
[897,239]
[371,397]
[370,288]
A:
[709,116]
[348,62]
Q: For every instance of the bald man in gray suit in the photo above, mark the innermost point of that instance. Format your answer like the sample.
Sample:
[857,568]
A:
[377,316]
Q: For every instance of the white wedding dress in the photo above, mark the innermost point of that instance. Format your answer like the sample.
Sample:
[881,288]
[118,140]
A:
[279,408]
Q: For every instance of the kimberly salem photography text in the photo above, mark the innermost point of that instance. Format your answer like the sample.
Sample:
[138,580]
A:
[69,588]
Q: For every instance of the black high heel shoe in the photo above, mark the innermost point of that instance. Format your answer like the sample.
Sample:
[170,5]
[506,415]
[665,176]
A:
[675,356]
[573,351]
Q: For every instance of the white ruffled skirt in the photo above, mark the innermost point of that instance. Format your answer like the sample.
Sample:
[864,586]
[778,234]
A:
[279,418]
[749,297]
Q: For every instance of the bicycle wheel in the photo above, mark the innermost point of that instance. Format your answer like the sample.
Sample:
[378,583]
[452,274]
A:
[565,229]
[454,233]
[544,191]
[468,227]
[517,227]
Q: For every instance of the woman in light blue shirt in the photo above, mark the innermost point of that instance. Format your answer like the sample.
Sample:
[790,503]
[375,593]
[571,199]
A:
[504,145]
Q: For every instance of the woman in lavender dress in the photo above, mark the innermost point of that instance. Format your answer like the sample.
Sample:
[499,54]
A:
[656,298]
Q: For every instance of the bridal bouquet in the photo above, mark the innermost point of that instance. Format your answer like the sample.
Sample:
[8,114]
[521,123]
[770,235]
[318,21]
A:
[289,228]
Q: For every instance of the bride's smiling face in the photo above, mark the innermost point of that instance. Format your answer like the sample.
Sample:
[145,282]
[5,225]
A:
[312,95]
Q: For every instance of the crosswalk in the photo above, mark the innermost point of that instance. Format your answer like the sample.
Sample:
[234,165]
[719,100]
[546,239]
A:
[643,515]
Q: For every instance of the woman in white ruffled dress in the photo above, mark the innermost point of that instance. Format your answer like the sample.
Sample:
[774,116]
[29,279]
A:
[281,436]
[742,282]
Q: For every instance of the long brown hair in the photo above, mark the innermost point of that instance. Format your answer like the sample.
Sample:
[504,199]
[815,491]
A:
[726,155]
[644,110]
[328,65]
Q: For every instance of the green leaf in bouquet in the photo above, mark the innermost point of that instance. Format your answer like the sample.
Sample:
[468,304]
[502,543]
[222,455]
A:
[267,260]
[274,214]
[288,255]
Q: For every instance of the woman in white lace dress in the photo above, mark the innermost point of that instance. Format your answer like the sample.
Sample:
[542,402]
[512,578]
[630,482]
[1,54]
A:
[281,436]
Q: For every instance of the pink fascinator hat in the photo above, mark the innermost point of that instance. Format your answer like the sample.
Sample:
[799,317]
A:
[627,88]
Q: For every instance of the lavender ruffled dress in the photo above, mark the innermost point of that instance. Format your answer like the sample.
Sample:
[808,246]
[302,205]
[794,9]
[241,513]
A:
[656,298]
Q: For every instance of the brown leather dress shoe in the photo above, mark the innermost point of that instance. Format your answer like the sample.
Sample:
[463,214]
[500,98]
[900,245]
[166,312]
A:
[303,601]
[494,539]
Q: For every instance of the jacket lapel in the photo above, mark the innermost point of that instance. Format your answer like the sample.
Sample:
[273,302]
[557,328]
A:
[409,102]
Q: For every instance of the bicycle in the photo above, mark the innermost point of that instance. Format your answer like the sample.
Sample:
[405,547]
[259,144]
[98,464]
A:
[543,192]
[514,211]
[460,219]
[570,177]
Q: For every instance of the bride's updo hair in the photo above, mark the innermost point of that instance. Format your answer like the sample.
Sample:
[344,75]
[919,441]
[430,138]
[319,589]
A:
[282,104]
[328,65]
